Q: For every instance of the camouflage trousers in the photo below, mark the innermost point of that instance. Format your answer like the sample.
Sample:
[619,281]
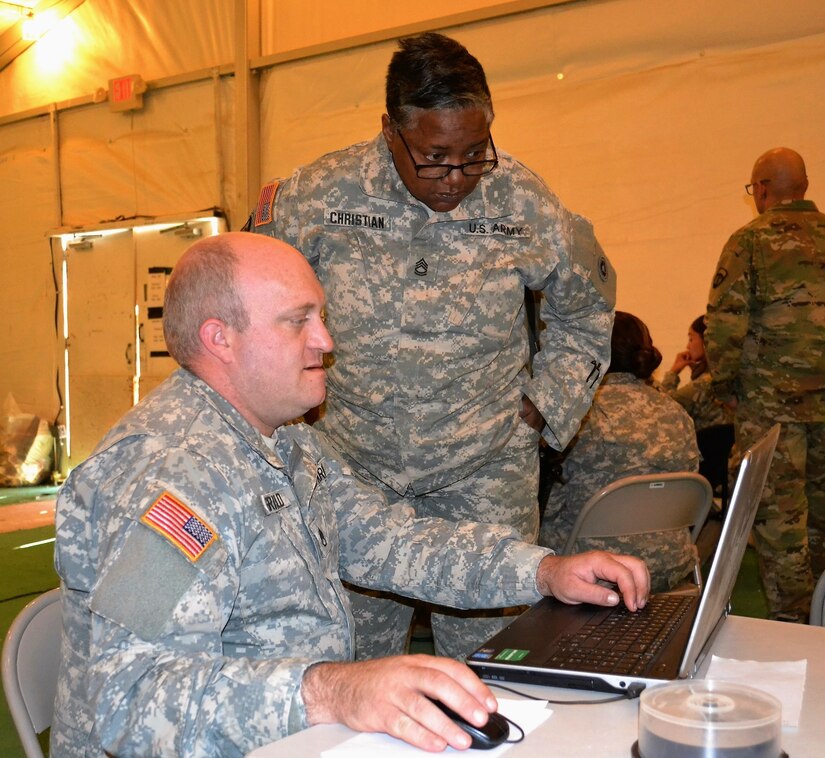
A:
[503,491]
[790,524]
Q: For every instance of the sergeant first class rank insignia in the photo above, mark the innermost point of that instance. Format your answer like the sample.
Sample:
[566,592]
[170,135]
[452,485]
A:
[180,525]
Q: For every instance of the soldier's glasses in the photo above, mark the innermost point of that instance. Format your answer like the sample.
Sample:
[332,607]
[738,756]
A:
[749,187]
[441,170]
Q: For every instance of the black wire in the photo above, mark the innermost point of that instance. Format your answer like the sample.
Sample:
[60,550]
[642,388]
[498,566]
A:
[35,593]
[513,723]
[56,332]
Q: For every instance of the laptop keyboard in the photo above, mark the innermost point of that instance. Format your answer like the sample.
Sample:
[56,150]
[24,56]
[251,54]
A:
[622,642]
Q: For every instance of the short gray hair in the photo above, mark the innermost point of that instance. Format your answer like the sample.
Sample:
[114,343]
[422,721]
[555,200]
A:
[202,286]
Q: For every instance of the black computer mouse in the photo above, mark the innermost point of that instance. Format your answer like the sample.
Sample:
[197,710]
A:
[486,737]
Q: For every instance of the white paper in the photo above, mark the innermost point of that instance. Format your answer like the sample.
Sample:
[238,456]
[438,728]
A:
[785,680]
[528,714]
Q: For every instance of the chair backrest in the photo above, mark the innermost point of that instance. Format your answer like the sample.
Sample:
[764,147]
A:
[645,503]
[31,658]
[818,603]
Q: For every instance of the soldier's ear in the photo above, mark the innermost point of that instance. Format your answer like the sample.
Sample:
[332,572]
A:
[216,339]
[388,130]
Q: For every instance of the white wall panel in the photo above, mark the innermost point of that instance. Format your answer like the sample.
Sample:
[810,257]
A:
[161,160]
[27,292]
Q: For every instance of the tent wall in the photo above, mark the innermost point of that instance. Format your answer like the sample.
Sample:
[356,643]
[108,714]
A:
[644,115]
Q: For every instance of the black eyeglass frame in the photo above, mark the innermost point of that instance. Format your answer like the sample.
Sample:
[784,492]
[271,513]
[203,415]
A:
[448,168]
[749,187]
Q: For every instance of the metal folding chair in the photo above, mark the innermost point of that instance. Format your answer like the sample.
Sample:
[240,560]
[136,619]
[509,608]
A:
[31,658]
[646,503]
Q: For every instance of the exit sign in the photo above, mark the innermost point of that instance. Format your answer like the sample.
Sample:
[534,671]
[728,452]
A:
[126,93]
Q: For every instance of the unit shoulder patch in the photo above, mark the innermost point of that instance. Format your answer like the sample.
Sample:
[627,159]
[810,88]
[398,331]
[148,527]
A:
[184,528]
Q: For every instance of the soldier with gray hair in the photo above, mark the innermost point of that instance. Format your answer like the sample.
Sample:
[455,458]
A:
[425,239]
[202,546]
[765,344]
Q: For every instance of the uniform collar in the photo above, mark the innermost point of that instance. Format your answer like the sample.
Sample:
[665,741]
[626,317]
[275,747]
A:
[794,205]
[234,419]
[379,179]
[621,377]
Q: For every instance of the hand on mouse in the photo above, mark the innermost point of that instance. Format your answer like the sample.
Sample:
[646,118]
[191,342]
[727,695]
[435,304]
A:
[394,695]
[573,579]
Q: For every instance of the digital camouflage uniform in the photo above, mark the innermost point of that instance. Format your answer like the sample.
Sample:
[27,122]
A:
[190,635]
[697,398]
[426,310]
[765,344]
[631,428]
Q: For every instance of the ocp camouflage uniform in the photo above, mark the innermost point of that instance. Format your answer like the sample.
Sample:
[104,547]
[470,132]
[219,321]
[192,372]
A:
[426,310]
[632,428]
[765,344]
[697,398]
[190,636]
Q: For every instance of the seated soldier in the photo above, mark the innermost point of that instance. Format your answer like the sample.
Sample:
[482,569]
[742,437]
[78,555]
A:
[631,428]
[202,546]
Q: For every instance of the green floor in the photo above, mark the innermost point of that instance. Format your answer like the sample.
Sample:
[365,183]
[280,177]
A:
[12,495]
[27,572]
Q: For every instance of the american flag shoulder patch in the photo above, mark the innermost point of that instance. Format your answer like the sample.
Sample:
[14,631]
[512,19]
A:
[263,213]
[180,525]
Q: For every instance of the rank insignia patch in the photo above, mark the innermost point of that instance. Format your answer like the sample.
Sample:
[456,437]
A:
[180,525]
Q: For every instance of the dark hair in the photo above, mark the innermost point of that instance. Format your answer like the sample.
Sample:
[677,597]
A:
[631,348]
[698,325]
[430,72]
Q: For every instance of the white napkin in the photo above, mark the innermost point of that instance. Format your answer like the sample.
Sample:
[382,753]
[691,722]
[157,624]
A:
[785,680]
[528,714]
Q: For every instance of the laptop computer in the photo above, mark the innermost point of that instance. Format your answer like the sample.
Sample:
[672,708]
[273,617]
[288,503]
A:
[544,645]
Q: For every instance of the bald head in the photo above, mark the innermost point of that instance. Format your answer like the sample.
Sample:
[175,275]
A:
[778,176]
[244,312]
[206,283]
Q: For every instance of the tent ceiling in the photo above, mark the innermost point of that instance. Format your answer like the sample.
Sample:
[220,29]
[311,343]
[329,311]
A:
[15,13]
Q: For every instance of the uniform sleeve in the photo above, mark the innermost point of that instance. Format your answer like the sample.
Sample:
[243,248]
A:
[728,314]
[686,395]
[670,382]
[577,308]
[285,213]
[159,683]
[459,564]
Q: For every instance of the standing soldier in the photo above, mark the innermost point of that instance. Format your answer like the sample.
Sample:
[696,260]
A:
[765,343]
[425,239]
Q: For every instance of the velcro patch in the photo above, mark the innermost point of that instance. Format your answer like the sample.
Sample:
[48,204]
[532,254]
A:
[340,217]
[180,525]
[497,228]
[263,213]
[273,502]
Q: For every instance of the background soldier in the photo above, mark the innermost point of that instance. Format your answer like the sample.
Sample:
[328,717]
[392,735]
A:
[632,428]
[765,343]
